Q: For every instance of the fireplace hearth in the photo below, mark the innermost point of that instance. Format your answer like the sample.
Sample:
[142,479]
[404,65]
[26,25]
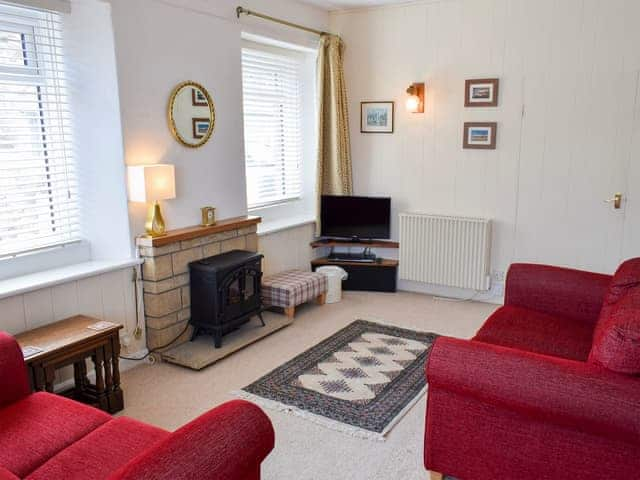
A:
[225,293]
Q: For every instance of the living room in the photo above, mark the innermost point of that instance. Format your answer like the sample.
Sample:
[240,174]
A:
[319,239]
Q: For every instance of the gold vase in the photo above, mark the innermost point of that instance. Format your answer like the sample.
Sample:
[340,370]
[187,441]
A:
[155,226]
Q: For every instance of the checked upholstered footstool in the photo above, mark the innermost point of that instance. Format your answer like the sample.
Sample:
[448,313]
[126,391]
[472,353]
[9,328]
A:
[292,288]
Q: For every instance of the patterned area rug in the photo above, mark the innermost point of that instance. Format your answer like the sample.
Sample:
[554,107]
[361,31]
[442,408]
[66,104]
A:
[361,380]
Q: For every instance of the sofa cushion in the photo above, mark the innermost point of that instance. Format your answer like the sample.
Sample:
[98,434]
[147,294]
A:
[626,278]
[537,332]
[103,451]
[616,342]
[39,426]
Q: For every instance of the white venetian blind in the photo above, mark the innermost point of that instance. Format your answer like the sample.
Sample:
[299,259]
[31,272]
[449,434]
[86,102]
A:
[38,181]
[272,90]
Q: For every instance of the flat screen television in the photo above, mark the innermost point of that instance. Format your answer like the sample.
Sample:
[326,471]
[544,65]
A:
[358,218]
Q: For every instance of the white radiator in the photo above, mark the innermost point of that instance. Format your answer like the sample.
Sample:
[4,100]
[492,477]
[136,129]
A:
[451,251]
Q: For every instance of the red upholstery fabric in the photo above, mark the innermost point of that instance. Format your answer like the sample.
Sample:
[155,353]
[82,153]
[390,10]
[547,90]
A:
[45,436]
[520,401]
[626,278]
[557,291]
[12,371]
[254,474]
[227,443]
[525,329]
[103,451]
[39,426]
[7,475]
[473,440]
[571,394]
[616,343]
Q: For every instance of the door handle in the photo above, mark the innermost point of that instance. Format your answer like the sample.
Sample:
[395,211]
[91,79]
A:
[616,200]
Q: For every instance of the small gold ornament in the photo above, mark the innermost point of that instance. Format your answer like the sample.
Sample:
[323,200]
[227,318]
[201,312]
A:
[208,216]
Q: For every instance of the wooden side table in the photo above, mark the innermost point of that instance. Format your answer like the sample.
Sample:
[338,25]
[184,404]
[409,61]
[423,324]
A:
[72,342]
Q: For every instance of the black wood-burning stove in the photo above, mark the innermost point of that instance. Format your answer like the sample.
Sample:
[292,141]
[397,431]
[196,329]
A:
[225,293]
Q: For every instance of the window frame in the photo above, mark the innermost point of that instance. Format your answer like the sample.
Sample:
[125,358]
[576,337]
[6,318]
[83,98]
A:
[31,74]
[302,56]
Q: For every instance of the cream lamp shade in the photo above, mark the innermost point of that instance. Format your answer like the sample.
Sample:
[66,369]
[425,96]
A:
[150,183]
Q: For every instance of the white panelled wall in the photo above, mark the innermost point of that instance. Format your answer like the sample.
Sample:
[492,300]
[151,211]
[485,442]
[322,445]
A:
[157,46]
[568,121]
[108,296]
[287,249]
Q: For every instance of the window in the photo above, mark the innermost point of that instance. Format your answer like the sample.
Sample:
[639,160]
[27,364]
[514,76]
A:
[272,89]
[38,184]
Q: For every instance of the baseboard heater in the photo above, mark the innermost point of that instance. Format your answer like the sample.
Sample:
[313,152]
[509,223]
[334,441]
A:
[445,250]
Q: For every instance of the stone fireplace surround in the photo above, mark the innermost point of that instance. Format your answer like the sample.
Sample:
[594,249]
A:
[165,273]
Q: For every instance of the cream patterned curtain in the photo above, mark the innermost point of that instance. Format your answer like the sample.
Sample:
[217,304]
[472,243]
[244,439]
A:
[334,149]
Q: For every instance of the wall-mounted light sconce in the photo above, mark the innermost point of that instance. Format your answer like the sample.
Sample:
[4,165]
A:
[415,102]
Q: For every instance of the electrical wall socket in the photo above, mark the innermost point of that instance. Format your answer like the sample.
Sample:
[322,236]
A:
[498,276]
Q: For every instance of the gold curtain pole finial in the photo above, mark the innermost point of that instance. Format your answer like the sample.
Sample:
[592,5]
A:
[244,11]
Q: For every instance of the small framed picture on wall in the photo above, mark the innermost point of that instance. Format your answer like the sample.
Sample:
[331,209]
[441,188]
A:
[376,117]
[481,92]
[480,135]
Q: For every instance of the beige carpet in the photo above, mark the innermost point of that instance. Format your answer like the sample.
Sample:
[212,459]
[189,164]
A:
[169,396]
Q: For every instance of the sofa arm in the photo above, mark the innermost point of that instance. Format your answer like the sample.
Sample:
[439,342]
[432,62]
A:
[557,291]
[14,383]
[564,392]
[227,443]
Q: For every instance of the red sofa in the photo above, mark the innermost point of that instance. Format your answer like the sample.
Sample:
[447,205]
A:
[548,388]
[45,436]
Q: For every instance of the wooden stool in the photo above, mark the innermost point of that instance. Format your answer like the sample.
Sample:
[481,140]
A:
[289,289]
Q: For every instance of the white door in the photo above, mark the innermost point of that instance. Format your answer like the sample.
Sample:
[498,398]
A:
[631,204]
[580,146]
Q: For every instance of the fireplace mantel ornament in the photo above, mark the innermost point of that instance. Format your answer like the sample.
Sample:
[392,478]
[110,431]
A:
[208,216]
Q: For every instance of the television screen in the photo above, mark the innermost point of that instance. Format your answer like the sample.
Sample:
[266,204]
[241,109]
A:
[355,217]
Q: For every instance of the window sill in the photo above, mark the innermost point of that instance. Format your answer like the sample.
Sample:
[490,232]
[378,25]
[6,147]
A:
[56,276]
[275,226]
[279,203]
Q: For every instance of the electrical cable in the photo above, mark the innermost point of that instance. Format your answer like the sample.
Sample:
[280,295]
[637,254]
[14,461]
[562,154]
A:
[157,348]
[137,296]
[451,299]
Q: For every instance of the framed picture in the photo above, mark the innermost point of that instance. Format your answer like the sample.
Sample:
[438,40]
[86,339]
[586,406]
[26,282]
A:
[480,135]
[376,117]
[198,98]
[200,127]
[482,92]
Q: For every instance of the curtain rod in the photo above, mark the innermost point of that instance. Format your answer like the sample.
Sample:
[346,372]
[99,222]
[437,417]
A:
[242,10]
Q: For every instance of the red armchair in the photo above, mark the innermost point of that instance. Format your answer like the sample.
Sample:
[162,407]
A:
[548,388]
[45,436]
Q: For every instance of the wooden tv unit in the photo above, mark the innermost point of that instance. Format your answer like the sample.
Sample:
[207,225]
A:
[378,276]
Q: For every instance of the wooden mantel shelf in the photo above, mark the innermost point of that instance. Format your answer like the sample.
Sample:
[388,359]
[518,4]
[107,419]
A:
[189,233]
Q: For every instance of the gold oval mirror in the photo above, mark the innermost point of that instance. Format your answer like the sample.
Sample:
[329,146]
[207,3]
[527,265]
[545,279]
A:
[192,115]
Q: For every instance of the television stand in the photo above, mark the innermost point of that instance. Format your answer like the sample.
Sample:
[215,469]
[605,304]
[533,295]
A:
[366,256]
[334,242]
[366,271]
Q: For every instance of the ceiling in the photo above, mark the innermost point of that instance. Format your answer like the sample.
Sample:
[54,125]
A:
[348,4]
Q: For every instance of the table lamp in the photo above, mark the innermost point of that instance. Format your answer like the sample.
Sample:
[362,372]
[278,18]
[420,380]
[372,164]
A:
[149,184]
